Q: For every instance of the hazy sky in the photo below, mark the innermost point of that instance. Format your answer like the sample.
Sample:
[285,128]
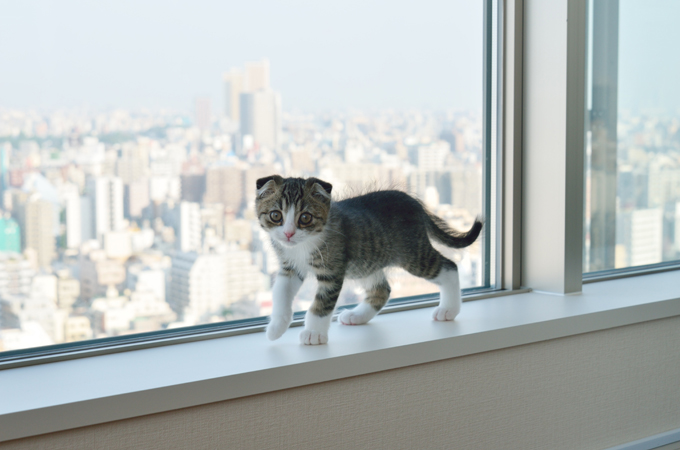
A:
[323,54]
[649,55]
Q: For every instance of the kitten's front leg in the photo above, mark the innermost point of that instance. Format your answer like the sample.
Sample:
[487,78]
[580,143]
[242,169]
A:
[318,318]
[286,285]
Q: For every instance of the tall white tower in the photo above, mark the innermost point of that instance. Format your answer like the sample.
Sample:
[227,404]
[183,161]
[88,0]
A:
[107,204]
[233,87]
[261,117]
[189,229]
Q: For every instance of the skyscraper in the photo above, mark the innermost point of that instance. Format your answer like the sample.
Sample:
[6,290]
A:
[107,204]
[646,236]
[197,286]
[233,86]
[225,185]
[36,218]
[203,113]
[193,187]
[136,197]
[189,227]
[72,204]
[4,166]
[261,117]
[10,235]
[257,76]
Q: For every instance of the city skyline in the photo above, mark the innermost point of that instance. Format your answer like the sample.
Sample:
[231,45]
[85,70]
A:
[138,222]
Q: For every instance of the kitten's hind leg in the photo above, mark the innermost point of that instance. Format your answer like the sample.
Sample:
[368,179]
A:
[449,285]
[377,293]
[428,263]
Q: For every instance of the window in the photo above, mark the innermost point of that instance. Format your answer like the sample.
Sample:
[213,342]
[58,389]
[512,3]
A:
[633,147]
[130,146]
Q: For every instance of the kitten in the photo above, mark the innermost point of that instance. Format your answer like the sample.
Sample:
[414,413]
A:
[354,238]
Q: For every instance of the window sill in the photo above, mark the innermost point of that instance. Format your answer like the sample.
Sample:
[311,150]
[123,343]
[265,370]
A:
[69,394]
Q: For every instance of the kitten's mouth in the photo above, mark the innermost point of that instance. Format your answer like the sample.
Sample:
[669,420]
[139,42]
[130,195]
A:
[289,243]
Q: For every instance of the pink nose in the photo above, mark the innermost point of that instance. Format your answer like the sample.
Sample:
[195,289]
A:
[289,234]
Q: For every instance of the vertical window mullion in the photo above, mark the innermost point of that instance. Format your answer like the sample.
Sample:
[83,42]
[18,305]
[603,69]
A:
[511,141]
[553,145]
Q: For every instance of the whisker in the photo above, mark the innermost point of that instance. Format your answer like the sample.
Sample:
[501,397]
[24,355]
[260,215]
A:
[334,231]
[320,254]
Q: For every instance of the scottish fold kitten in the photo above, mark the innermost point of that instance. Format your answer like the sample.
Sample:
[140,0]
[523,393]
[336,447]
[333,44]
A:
[354,238]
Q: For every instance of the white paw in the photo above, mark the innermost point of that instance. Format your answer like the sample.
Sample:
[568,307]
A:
[350,317]
[309,337]
[442,314]
[276,328]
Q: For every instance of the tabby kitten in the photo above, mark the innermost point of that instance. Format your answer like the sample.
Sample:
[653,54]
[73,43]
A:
[354,238]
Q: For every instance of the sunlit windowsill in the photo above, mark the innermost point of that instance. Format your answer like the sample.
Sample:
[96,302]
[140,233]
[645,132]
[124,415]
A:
[68,394]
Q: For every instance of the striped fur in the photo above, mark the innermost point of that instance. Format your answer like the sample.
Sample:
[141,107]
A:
[355,238]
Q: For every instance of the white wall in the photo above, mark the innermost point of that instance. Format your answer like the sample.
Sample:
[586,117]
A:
[590,391]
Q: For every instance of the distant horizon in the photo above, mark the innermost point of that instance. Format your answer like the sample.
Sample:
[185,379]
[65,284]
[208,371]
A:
[189,112]
[323,56]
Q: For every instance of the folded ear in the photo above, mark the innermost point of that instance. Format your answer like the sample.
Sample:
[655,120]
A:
[267,186]
[326,186]
[320,188]
[262,181]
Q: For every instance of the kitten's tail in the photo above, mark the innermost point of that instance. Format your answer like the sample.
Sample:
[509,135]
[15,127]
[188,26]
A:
[440,231]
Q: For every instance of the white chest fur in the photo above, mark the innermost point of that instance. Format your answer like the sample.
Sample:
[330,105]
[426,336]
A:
[301,255]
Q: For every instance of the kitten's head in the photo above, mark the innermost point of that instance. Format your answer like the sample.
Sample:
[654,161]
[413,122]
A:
[292,210]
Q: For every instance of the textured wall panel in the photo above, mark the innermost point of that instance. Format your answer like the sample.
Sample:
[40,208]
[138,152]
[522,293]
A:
[590,391]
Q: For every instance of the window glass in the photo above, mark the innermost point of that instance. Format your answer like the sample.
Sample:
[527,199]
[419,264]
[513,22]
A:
[132,134]
[632,215]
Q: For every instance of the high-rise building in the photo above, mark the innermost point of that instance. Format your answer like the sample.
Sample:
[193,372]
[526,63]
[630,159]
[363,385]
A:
[433,156]
[86,219]
[130,168]
[98,274]
[203,113]
[107,204]
[77,328]
[5,149]
[10,235]
[242,277]
[213,218]
[15,274]
[664,181]
[261,117]
[197,287]
[36,219]
[466,188]
[639,237]
[74,219]
[142,278]
[646,237]
[189,227]
[257,76]
[225,185]
[193,187]
[136,197]
[252,174]
[68,289]
[162,188]
[233,87]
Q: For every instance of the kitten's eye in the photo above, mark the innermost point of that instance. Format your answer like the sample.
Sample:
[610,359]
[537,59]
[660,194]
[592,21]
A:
[305,219]
[276,216]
